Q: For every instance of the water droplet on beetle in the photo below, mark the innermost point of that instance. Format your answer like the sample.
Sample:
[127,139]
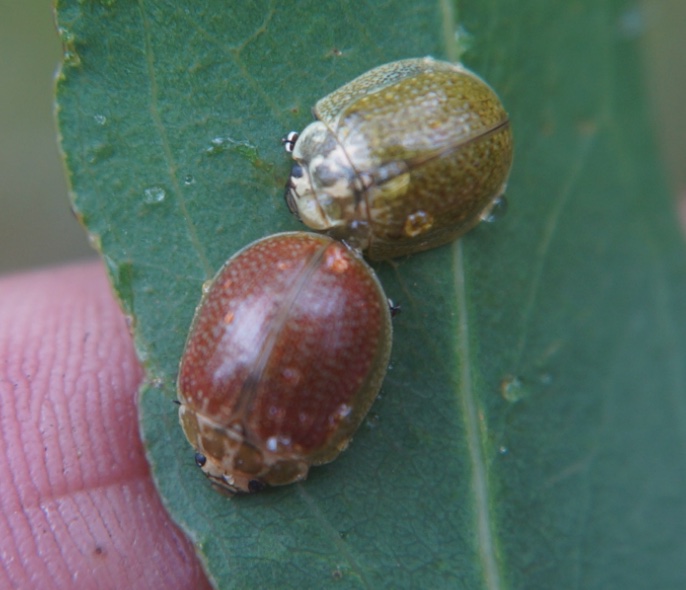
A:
[188,180]
[418,223]
[274,443]
[496,210]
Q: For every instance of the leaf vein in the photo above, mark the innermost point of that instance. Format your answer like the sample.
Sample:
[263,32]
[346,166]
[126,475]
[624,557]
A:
[474,422]
[157,120]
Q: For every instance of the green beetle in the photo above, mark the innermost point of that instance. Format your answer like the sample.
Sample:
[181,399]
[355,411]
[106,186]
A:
[406,157]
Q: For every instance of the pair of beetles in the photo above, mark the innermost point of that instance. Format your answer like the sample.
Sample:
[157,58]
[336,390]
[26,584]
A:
[290,343]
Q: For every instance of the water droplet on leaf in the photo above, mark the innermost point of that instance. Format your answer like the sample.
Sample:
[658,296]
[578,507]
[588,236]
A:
[513,389]
[154,195]
[496,210]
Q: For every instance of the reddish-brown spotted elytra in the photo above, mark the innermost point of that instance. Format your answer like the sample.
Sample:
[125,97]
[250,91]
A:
[286,354]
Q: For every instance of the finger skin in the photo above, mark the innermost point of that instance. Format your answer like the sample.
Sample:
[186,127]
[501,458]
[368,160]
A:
[77,505]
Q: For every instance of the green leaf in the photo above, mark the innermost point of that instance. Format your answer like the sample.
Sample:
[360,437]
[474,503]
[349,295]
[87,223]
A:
[532,427]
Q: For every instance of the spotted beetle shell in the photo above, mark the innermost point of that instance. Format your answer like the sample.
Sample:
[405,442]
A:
[287,351]
[408,156]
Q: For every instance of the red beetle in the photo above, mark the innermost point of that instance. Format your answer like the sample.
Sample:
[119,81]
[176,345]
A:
[286,354]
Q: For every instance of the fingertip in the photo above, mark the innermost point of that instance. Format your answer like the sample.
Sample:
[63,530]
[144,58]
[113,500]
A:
[77,500]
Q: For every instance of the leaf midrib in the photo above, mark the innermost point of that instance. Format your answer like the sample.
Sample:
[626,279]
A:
[473,427]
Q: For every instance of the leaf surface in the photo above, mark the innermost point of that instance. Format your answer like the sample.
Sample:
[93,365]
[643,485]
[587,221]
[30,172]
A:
[532,427]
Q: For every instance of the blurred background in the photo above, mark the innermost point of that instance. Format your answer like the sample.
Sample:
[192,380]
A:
[36,225]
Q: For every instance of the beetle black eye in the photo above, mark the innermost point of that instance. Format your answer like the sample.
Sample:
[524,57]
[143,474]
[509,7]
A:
[255,485]
[200,459]
[296,171]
